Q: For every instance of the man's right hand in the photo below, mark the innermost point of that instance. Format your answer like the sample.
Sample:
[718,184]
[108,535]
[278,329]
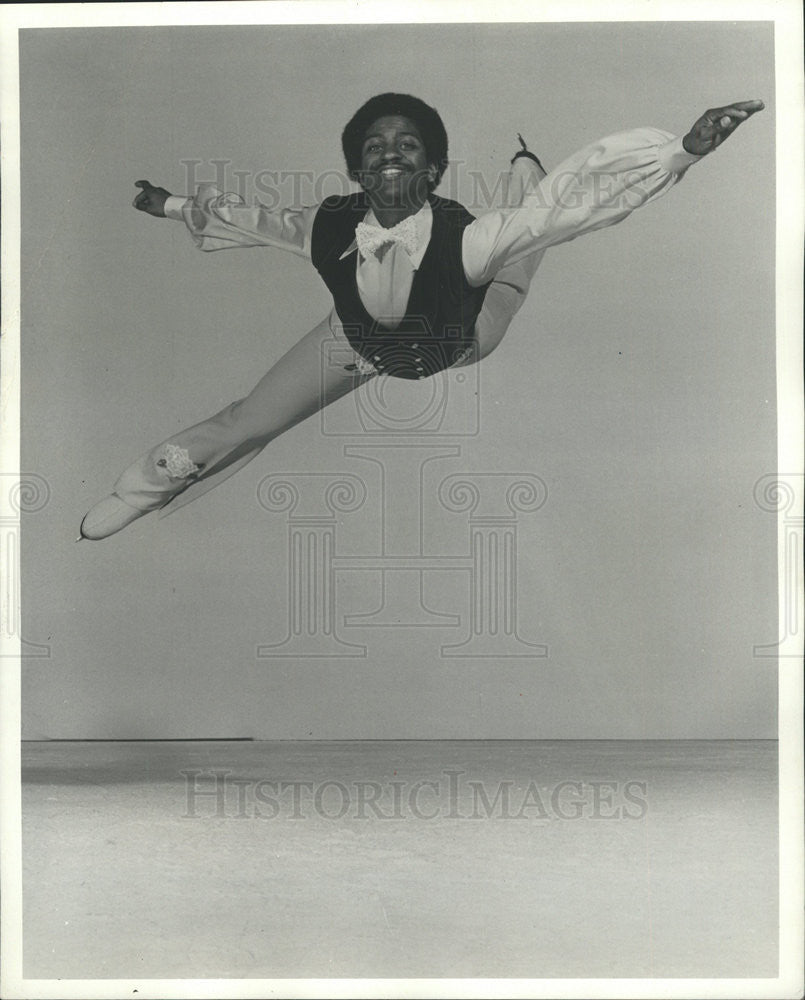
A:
[151,199]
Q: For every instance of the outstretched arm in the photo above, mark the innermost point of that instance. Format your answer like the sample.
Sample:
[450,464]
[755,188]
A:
[597,187]
[224,221]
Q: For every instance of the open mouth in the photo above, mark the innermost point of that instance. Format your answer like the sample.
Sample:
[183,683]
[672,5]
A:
[392,171]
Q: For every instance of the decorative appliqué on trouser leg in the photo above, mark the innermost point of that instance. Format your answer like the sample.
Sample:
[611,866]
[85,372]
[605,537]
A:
[177,462]
[361,366]
[365,367]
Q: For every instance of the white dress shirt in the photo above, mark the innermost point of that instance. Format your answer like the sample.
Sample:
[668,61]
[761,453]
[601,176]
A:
[596,187]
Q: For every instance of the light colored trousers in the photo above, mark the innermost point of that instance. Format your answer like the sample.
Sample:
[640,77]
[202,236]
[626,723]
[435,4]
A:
[300,384]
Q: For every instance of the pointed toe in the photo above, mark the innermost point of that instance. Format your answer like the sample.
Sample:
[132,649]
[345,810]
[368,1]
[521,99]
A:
[108,517]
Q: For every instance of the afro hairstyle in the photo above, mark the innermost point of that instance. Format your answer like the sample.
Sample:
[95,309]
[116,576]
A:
[426,119]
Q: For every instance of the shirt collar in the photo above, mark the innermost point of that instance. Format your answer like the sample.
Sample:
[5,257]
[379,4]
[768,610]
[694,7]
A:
[424,225]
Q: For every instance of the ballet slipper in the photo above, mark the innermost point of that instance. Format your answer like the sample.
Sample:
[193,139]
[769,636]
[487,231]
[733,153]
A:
[107,517]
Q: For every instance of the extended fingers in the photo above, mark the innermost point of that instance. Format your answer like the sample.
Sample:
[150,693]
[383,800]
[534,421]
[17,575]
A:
[730,118]
[750,106]
[733,113]
[718,124]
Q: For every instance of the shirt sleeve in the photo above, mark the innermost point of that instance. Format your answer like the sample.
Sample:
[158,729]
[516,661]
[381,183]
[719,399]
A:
[597,187]
[219,221]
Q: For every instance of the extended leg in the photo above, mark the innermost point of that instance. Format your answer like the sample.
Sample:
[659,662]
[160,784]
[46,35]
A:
[198,458]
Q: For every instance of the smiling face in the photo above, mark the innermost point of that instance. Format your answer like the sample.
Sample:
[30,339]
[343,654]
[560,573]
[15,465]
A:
[395,171]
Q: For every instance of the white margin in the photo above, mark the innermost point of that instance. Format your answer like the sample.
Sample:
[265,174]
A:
[787,15]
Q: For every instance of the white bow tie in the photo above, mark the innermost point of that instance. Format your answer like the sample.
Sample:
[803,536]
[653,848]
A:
[371,238]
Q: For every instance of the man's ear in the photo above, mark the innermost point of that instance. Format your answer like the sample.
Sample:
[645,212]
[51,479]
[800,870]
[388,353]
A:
[433,172]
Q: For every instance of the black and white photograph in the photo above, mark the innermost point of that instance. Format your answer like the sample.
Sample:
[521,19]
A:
[402,500]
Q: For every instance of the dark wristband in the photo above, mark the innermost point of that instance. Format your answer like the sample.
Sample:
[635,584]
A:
[531,156]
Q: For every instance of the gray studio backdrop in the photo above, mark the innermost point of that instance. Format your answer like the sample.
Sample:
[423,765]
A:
[565,542]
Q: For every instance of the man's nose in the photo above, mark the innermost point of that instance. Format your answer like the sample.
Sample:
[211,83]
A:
[390,155]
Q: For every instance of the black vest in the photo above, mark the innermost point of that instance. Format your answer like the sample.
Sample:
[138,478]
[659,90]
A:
[442,308]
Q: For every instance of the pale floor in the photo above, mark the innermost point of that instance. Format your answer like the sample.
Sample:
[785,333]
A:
[127,875]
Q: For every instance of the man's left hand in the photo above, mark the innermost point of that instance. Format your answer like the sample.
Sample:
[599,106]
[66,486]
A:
[718,124]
